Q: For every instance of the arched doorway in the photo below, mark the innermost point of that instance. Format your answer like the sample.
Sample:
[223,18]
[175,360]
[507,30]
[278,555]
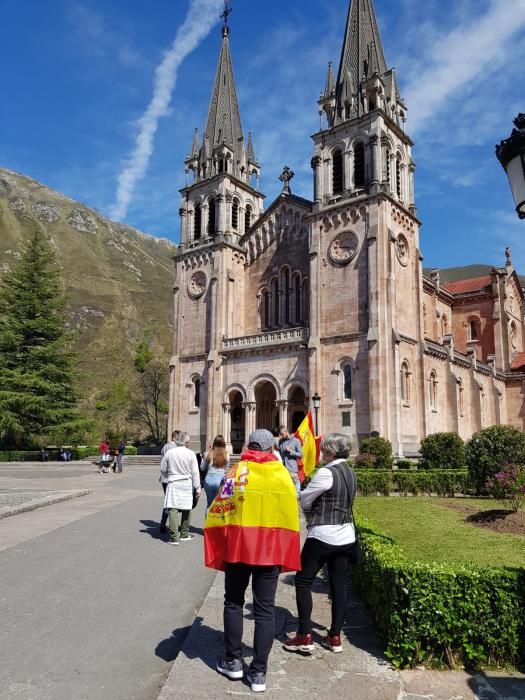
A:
[267,413]
[238,425]
[297,408]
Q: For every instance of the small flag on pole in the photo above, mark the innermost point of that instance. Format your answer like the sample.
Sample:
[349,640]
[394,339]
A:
[310,444]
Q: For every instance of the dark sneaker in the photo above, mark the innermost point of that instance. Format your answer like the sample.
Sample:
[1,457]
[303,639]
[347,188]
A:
[303,643]
[233,669]
[257,681]
[333,642]
[187,538]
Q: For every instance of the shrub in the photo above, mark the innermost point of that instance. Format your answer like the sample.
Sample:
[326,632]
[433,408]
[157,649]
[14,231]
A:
[404,464]
[442,451]
[380,449]
[443,615]
[490,450]
[11,456]
[509,485]
[364,460]
[130,450]
[370,483]
[83,452]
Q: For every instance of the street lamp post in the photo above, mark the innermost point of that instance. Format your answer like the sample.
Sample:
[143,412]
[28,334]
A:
[316,401]
[511,155]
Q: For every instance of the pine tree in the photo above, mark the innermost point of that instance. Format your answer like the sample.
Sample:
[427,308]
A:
[37,396]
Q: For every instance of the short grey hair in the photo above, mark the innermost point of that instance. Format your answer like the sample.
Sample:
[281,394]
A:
[336,444]
[179,437]
[187,438]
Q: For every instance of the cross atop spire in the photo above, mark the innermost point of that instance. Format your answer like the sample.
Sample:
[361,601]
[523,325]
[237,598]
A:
[227,12]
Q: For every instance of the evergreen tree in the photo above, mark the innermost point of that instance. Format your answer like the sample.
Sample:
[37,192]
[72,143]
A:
[37,396]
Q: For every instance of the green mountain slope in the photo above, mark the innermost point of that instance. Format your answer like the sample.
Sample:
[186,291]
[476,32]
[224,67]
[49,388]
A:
[451,274]
[118,281]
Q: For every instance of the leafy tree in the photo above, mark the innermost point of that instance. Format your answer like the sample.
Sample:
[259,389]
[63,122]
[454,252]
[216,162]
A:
[37,396]
[490,450]
[113,409]
[143,354]
[150,407]
[442,451]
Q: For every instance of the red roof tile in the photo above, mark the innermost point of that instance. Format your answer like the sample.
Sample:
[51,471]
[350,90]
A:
[474,284]
[519,361]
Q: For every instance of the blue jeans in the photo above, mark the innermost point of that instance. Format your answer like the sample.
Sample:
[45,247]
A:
[211,486]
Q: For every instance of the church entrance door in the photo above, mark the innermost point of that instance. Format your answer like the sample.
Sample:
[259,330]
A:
[238,422]
[267,413]
[297,408]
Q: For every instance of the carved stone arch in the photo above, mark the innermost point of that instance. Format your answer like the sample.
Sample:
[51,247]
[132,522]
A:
[359,139]
[235,386]
[261,379]
[296,382]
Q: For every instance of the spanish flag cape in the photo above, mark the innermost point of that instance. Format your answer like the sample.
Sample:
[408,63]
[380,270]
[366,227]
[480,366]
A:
[254,518]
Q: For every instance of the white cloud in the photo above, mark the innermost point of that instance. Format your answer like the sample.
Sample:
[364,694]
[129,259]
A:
[202,15]
[462,57]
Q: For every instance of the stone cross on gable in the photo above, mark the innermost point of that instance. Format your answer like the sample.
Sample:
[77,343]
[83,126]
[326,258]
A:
[285,178]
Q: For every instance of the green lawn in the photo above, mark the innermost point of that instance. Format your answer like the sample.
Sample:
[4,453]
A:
[428,532]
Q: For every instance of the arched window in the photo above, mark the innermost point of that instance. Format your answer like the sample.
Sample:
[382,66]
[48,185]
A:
[337,172]
[473,329]
[197,221]
[235,215]
[248,217]
[359,165]
[276,300]
[197,392]
[287,290]
[211,218]
[298,306]
[432,390]
[265,310]
[398,177]
[347,382]
[405,382]
[388,169]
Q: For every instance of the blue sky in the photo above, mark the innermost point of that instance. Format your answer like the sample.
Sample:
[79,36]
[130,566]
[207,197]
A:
[78,76]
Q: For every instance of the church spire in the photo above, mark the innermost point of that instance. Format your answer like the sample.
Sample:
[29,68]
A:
[362,64]
[223,125]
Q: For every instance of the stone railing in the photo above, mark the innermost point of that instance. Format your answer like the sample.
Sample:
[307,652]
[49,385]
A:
[278,337]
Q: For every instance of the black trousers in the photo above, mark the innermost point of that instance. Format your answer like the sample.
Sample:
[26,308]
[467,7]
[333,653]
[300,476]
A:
[314,555]
[264,587]
[164,516]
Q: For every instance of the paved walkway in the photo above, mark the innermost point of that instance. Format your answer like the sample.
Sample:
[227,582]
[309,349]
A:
[95,605]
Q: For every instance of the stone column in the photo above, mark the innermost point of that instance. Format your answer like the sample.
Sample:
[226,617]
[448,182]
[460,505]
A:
[227,425]
[249,419]
[348,164]
[183,225]
[172,397]
[316,167]
[411,196]
[283,412]
[221,204]
[204,220]
[384,163]
[375,179]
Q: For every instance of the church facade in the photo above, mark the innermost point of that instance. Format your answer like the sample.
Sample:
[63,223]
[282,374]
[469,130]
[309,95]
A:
[328,295]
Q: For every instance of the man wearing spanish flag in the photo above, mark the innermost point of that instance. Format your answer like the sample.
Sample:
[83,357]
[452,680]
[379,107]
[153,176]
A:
[252,530]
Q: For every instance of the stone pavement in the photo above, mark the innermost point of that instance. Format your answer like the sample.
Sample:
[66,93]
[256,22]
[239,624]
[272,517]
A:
[14,501]
[360,672]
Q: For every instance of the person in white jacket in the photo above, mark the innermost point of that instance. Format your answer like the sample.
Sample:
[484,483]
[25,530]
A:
[180,470]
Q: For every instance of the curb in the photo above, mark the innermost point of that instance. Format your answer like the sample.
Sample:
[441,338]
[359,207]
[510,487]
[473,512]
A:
[43,502]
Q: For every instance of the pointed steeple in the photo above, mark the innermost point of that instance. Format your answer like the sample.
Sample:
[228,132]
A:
[223,125]
[250,153]
[195,146]
[362,62]
[329,88]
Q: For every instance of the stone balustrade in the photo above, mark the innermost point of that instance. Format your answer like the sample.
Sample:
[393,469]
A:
[278,337]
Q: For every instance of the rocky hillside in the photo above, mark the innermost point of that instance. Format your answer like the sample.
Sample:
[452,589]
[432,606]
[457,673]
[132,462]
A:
[117,280]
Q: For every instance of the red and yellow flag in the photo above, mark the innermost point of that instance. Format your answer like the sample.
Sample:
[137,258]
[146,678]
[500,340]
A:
[306,435]
[254,518]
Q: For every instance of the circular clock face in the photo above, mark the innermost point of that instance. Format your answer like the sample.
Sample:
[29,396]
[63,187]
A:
[344,247]
[402,250]
[197,284]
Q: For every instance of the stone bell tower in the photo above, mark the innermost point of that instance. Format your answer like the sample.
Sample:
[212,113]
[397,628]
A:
[365,245]
[220,204]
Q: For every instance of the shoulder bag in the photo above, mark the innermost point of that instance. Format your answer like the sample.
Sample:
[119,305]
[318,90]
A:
[357,556]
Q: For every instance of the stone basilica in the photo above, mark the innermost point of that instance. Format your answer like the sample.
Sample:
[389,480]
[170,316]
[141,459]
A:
[273,305]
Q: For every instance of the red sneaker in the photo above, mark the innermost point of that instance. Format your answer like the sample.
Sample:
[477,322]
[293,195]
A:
[333,642]
[301,642]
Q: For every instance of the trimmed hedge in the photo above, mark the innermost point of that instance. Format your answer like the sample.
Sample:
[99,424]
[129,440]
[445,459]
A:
[441,615]
[12,456]
[489,450]
[34,455]
[377,452]
[442,482]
